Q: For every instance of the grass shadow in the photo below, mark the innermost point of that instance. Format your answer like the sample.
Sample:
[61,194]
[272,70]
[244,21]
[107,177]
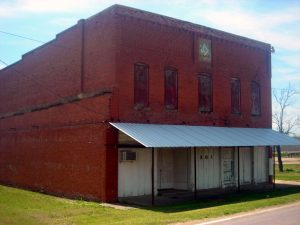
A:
[222,200]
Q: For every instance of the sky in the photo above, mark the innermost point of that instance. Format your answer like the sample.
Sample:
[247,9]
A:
[276,22]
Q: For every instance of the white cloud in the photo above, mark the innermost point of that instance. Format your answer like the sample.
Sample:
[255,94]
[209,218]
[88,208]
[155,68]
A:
[292,60]
[262,26]
[277,26]
[52,6]
[64,22]
[2,66]
[17,7]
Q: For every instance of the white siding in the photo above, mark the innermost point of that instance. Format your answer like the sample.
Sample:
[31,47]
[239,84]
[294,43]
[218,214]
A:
[246,154]
[261,166]
[173,167]
[134,177]
[228,167]
[208,168]
[165,172]
[181,168]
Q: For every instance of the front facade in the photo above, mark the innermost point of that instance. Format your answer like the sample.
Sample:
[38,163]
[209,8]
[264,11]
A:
[129,66]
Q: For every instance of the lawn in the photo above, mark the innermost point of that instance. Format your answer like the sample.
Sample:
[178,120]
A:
[25,207]
[290,172]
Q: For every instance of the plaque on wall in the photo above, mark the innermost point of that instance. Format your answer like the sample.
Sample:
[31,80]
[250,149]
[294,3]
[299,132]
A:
[204,50]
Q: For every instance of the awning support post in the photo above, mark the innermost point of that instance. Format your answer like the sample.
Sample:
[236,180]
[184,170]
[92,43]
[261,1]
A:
[274,185]
[195,173]
[152,178]
[239,186]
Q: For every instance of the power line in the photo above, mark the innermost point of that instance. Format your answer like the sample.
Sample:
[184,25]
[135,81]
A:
[20,36]
[59,46]
[4,63]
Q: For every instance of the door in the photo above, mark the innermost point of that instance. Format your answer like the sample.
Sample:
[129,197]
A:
[208,169]
[227,167]
[165,169]
[261,163]
[246,165]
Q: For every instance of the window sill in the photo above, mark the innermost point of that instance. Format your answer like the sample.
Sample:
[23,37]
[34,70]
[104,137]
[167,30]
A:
[171,110]
[140,108]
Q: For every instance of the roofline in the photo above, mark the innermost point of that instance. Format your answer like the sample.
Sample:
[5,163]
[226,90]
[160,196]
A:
[188,26]
[118,9]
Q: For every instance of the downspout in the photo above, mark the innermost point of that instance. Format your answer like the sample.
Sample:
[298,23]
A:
[82,22]
[239,186]
[152,179]
[195,173]
[274,185]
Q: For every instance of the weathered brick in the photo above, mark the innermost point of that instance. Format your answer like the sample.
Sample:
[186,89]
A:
[70,149]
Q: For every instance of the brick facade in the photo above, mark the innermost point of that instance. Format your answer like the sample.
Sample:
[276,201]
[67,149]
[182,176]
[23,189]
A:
[54,114]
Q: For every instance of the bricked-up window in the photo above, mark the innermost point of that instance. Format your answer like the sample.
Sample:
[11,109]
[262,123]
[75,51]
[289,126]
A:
[205,93]
[141,85]
[171,93]
[235,96]
[255,99]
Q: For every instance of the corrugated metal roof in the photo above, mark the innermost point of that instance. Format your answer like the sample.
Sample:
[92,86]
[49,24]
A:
[160,135]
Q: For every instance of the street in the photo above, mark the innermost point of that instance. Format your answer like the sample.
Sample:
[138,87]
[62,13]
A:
[283,215]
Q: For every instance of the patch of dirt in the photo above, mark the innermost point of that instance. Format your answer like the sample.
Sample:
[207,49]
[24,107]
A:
[287,160]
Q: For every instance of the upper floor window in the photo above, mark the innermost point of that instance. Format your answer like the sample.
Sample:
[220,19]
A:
[205,93]
[255,99]
[141,85]
[235,96]
[171,90]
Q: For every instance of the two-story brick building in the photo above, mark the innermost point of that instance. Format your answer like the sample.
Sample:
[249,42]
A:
[130,103]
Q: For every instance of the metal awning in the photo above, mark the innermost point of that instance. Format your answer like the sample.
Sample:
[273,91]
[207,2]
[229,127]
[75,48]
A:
[161,135]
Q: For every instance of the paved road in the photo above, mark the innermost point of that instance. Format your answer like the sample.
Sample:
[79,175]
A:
[285,215]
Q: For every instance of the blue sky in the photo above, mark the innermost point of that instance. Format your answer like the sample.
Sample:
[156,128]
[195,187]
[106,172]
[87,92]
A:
[273,21]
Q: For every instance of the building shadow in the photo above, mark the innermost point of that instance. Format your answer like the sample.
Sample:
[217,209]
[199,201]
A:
[186,202]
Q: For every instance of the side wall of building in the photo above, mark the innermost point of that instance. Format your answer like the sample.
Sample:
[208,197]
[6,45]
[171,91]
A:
[69,152]
[54,106]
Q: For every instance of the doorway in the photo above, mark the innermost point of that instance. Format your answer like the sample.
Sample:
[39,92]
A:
[227,167]
[173,169]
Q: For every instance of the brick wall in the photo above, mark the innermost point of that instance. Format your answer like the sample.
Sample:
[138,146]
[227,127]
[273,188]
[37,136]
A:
[43,74]
[70,149]
[64,150]
[63,67]
[67,161]
[159,46]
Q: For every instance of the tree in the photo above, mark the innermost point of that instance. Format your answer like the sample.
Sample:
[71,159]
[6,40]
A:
[283,122]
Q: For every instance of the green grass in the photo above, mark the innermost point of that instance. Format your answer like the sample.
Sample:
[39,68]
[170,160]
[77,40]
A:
[25,207]
[290,172]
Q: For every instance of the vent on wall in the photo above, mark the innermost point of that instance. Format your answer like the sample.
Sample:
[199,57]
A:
[127,155]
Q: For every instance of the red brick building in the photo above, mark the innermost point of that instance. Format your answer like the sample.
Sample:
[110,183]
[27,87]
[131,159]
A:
[125,65]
